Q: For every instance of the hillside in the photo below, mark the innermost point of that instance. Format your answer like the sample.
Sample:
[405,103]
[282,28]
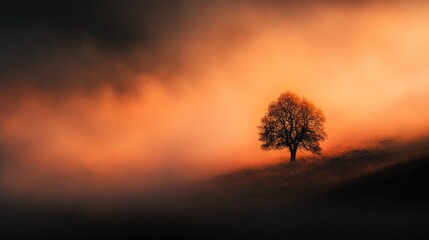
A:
[364,193]
[379,192]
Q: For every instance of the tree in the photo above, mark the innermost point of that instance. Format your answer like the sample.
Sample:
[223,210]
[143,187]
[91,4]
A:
[292,122]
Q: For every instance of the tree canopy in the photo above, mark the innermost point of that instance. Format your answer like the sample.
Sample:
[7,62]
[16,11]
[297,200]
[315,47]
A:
[292,122]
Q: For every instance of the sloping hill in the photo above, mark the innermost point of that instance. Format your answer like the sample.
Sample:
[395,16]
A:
[312,175]
[374,193]
[403,183]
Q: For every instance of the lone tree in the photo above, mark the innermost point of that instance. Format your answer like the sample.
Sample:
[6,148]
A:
[292,122]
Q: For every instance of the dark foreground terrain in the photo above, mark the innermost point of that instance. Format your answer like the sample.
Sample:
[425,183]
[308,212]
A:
[376,193]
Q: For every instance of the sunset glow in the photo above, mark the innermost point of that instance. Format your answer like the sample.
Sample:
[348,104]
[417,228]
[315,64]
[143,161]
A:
[188,106]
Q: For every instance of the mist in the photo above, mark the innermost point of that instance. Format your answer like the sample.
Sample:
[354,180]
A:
[178,97]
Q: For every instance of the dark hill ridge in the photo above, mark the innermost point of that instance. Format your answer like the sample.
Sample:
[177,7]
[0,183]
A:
[380,192]
[404,183]
[311,175]
[374,193]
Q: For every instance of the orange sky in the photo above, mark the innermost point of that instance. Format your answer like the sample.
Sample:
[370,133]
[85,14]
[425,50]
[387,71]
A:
[365,66]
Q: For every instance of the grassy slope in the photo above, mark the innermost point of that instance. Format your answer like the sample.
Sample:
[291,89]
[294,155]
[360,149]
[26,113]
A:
[309,176]
[367,193]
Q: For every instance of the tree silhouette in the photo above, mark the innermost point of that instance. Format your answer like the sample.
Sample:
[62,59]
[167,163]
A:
[292,122]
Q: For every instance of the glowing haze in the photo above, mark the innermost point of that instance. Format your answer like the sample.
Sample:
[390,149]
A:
[182,98]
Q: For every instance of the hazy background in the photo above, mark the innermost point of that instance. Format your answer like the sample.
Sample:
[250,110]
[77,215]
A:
[105,97]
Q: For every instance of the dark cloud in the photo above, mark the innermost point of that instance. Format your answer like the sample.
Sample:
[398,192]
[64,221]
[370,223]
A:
[68,45]
[83,45]
[113,24]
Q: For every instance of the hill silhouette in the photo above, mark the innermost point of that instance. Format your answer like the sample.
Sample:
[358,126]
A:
[372,193]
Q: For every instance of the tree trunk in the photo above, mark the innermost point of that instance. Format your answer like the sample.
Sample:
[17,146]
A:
[292,154]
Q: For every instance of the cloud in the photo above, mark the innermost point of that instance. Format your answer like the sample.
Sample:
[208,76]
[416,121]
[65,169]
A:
[63,47]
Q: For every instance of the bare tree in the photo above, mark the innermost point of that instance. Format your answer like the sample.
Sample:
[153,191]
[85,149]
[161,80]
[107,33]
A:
[292,122]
